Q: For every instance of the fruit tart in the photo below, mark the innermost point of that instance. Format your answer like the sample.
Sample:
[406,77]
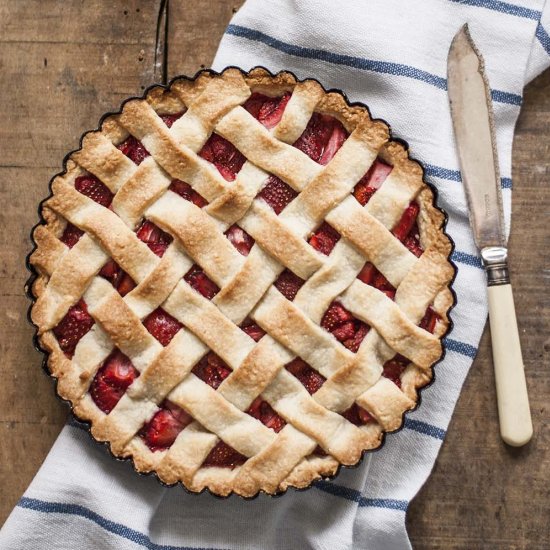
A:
[241,282]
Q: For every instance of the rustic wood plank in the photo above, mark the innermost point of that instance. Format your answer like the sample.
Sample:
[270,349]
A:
[66,63]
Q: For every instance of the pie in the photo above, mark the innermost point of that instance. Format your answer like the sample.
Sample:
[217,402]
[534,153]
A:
[241,282]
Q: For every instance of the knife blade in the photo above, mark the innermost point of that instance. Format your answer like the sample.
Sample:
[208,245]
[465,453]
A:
[473,124]
[160,64]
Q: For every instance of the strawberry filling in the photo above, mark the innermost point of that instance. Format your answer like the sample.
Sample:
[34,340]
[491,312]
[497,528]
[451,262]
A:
[371,181]
[162,325]
[310,378]
[222,455]
[170,119]
[185,191]
[71,235]
[117,277]
[430,320]
[277,194]
[154,237]
[162,430]
[112,380]
[263,411]
[223,155]
[76,323]
[267,110]
[252,329]
[357,415]
[344,326]
[133,149]
[92,188]
[240,239]
[212,370]
[324,239]
[198,280]
[288,284]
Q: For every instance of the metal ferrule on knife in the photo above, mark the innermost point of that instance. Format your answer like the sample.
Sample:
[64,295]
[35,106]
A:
[495,262]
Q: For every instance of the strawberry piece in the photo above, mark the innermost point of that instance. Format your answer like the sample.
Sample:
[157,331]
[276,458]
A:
[76,323]
[71,235]
[154,237]
[223,155]
[357,415]
[394,368]
[222,455]
[263,411]
[371,181]
[165,426]
[212,370]
[117,277]
[322,137]
[254,103]
[240,239]
[252,329]
[412,242]
[371,276]
[170,119]
[429,320]
[277,194]
[198,279]
[92,188]
[185,191]
[324,239]
[134,150]
[407,221]
[344,332]
[335,141]
[112,380]
[360,331]
[310,378]
[271,111]
[335,316]
[162,325]
[288,284]
[368,273]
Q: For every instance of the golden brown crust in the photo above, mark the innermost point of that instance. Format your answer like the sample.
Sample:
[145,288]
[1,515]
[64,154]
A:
[210,101]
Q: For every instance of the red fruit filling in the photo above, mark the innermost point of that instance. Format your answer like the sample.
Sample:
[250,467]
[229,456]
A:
[240,239]
[133,149]
[288,284]
[112,381]
[161,431]
[263,411]
[91,187]
[187,192]
[344,326]
[371,181]
[212,370]
[198,279]
[277,194]
[394,368]
[310,378]
[323,136]
[223,155]
[357,415]
[371,276]
[76,323]
[154,237]
[268,110]
[162,325]
[170,119]
[71,235]
[324,239]
[252,329]
[430,319]
[117,277]
[403,228]
[225,456]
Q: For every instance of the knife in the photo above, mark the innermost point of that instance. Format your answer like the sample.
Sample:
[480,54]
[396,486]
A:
[472,116]
[160,63]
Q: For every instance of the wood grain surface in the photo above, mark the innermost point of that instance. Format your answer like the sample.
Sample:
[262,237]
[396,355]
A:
[63,64]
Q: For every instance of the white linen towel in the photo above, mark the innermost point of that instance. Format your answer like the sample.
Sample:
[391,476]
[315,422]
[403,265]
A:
[391,55]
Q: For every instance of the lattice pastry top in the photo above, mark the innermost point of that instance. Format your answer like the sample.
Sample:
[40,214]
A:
[242,282]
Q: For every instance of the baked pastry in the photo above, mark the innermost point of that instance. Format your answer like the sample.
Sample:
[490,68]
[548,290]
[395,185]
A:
[241,282]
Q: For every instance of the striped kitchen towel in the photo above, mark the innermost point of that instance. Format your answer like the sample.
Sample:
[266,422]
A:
[391,55]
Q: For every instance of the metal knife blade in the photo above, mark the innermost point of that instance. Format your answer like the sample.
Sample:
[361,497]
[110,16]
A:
[160,66]
[472,115]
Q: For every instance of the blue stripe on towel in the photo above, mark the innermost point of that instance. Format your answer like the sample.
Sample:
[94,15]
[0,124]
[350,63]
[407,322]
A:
[460,347]
[110,526]
[543,38]
[424,428]
[386,67]
[355,496]
[502,7]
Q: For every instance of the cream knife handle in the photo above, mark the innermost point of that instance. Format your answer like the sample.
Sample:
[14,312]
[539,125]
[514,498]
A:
[514,414]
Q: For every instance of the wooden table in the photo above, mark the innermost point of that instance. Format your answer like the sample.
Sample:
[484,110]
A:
[64,63]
